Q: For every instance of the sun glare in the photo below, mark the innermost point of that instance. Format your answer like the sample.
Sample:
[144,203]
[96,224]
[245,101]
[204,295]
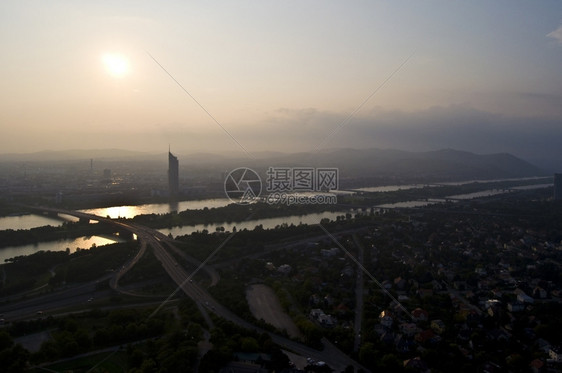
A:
[116,65]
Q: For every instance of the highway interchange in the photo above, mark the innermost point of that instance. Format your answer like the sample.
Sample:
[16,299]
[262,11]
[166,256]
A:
[162,247]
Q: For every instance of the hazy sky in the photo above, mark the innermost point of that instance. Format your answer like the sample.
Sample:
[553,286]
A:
[482,76]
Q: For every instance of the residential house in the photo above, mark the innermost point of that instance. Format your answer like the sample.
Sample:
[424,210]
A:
[330,253]
[555,353]
[515,306]
[438,326]
[537,366]
[400,283]
[315,312]
[385,319]
[539,293]
[425,293]
[419,314]
[325,320]
[481,271]
[284,269]
[408,329]
[416,365]
[524,298]
[427,336]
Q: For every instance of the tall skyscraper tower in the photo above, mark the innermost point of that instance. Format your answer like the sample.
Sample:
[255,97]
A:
[558,186]
[173,175]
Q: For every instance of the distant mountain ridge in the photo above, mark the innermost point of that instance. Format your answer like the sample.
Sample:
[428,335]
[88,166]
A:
[440,164]
[72,155]
[445,164]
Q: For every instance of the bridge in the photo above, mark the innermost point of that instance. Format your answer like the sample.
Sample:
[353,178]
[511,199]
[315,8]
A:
[159,242]
[125,231]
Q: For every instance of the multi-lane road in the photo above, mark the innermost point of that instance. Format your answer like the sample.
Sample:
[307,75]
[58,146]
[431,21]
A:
[358,293]
[161,247]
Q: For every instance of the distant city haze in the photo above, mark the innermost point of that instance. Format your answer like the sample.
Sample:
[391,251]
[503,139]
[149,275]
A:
[244,77]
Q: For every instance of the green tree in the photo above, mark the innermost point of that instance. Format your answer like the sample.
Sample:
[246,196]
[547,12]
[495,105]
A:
[5,340]
[367,354]
[391,363]
[249,344]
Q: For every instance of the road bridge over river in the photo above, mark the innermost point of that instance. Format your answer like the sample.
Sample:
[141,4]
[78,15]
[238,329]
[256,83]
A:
[161,245]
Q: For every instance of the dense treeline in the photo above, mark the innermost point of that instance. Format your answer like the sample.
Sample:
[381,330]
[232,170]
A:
[149,272]
[88,265]
[13,357]
[230,213]
[177,351]
[150,342]
[27,272]
[246,242]
[232,293]
[97,329]
[90,331]
[227,338]
[11,237]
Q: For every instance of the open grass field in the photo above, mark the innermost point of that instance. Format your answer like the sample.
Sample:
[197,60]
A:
[264,305]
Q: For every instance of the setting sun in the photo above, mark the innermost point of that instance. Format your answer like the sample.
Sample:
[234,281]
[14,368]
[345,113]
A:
[116,65]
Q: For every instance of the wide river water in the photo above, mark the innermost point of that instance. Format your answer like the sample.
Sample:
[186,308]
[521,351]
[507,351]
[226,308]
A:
[30,221]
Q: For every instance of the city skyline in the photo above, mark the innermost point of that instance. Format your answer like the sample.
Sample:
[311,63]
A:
[285,77]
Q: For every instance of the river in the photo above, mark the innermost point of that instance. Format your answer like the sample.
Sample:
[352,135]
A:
[61,245]
[129,212]
[86,242]
[266,223]
[460,197]
[30,221]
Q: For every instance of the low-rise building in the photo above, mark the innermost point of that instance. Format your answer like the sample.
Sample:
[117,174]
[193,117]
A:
[438,326]
[419,314]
